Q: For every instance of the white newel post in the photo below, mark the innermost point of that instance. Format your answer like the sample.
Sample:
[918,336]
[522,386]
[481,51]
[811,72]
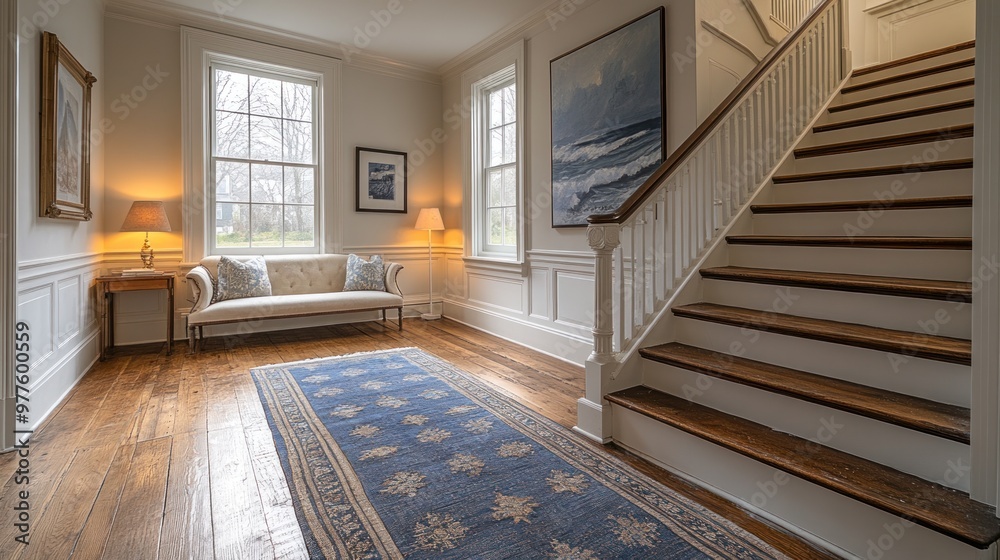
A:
[604,240]
[593,417]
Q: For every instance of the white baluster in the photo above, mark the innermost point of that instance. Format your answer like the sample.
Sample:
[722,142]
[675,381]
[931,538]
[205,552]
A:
[718,210]
[622,330]
[639,293]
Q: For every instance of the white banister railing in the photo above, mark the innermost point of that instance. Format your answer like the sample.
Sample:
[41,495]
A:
[647,247]
[789,13]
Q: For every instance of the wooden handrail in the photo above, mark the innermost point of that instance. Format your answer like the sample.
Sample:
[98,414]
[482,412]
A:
[639,197]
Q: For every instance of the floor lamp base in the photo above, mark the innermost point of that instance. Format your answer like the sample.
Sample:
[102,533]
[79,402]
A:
[430,316]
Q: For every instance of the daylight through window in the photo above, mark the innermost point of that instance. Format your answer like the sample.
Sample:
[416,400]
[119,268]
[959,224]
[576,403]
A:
[497,172]
[264,164]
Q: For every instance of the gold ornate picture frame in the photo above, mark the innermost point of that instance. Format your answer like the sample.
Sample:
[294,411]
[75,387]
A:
[64,157]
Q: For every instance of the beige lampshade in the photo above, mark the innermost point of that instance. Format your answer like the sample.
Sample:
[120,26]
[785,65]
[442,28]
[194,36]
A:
[429,219]
[146,215]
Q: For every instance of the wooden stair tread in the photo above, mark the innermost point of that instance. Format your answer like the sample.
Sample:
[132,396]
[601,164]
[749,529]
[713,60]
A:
[912,75]
[946,165]
[900,115]
[948,511]
[936,88]
[860,242]
[929,203]
[914,58]
[942,420]
[908,139]
[881,285]
[939,348]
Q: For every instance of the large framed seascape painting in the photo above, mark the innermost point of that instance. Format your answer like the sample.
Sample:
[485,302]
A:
[64,158]
[608,119]
[381,181]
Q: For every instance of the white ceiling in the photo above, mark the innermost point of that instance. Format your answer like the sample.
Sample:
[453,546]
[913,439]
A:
[424,33]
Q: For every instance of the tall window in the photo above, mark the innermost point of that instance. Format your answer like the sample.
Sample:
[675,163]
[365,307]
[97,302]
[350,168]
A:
[264,160]
[496,173]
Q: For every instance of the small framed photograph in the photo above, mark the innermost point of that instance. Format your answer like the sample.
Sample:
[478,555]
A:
[381,181]
[64,161]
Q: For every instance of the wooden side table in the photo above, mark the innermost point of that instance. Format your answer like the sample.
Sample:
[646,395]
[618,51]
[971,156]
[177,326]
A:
[113,284]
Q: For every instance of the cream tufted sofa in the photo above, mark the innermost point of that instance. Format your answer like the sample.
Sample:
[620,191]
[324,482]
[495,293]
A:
[301,286]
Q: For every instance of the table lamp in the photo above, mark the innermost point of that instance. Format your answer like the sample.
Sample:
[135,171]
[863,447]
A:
[146,216]
[430,219]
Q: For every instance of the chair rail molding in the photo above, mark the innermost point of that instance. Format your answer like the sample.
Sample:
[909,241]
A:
[8,218]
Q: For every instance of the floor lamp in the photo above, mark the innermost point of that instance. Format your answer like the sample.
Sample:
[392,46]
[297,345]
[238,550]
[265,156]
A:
[430,219]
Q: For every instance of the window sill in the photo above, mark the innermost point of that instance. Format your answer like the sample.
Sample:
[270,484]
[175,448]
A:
[495,264]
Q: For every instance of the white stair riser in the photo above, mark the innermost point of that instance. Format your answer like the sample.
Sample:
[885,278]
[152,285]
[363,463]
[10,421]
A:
[901,155]
[916,65]
[888,187]
[929,379]
[905,263]
[876,220]
[909,85]
[860,529]
[916,453]
[933,121]
[888,312]
[923,100]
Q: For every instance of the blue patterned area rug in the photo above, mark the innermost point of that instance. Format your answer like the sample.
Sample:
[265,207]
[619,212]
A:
[398,454]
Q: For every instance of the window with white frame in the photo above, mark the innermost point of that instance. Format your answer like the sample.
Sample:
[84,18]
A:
[264,165]
[496,166]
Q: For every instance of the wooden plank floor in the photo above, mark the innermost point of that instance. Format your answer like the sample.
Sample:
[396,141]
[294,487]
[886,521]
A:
[155,456]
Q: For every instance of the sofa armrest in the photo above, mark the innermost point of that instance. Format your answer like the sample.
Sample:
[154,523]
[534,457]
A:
[201,285]
[391,286]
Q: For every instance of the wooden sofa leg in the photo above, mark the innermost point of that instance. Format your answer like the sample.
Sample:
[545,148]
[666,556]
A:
[192,342]
[400,314]
[383,315]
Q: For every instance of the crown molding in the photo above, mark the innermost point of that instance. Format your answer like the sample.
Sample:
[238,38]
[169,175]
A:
[515,31]
[162,14]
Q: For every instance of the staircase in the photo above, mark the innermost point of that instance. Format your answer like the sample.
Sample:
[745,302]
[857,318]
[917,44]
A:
[821,369]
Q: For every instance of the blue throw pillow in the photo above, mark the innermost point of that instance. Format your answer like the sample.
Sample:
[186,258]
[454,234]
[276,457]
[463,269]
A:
[242,279]
[365,275]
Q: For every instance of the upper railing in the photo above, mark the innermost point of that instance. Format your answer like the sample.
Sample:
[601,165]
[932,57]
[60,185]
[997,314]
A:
[788,13]
[647,246]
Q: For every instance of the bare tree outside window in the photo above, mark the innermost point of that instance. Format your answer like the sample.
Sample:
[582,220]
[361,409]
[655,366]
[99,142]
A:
[264,160]
[500,167]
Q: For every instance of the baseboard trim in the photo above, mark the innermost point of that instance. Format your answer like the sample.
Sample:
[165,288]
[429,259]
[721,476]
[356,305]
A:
[559,345]
[75,358]
[590,421]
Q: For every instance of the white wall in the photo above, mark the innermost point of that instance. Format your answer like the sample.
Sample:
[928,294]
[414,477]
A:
[57,259]
[144,159]
[884,30]
[729,45]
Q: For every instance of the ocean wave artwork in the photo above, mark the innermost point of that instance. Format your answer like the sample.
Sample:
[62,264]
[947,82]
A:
[607,120]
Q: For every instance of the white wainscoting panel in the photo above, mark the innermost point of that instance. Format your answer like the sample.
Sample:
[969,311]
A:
[34,307]
[575,304]
[540,296]
[900,28]
[500,294]
[56,300]
[546,304]
[69,308]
